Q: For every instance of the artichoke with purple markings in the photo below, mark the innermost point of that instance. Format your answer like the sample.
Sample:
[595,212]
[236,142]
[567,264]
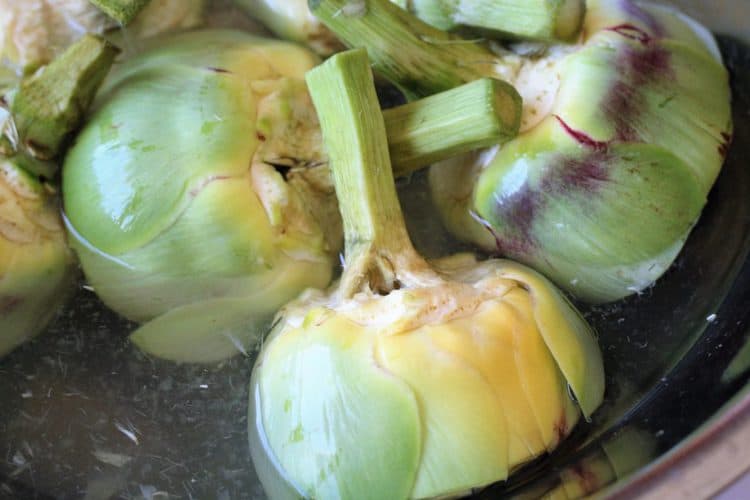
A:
[623,135]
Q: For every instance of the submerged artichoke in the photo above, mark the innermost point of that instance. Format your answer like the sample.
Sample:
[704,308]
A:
[197,195]
[36,267]
[33,32]
[175,206]
[623,136]
[408,381]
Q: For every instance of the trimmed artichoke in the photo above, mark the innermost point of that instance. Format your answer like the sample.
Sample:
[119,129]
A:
[36,267]
[186,213]
[407,380]
[34,32]
[623,136]
[205,224]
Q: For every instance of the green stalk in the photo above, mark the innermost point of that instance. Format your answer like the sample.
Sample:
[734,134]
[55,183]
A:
[50,105]
[122,11]
[378,248]
[419,58]
[472,116]
[545,20]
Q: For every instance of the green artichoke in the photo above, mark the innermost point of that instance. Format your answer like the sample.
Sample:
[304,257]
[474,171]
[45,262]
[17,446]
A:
[407,380]
[180,214]
[622,137]
[205,224]
[36,267]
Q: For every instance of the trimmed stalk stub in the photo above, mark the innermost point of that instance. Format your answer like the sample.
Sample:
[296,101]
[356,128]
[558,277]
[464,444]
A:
[476,115]
[37,269]
[408,380]
[122,11]
[50,105]
[545,20]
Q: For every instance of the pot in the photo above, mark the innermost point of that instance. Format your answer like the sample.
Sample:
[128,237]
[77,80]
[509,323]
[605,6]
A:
[85,415]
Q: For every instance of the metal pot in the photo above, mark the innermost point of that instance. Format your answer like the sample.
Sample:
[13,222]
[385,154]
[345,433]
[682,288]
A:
[87,416]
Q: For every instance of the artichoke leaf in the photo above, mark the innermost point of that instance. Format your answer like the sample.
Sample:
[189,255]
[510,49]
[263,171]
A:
[205,332]
[342,437]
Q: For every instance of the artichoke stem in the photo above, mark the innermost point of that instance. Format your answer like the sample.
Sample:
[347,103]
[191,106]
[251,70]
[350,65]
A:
[476,115]
[122,11]
[51,104]
[379,254]
[420,59]
[543,20]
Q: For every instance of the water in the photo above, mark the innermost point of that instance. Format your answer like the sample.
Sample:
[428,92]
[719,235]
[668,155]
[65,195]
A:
[87,416]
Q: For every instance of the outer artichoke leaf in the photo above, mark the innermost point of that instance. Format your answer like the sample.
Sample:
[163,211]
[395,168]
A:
[494,357]
[452,394]
[506,349]
[205,332]
[212,250]
[652,19]
[253,57]
[356,429]
[567,335]
[105,169]
[662,92]
[542,381]
[678,26]
[600,223]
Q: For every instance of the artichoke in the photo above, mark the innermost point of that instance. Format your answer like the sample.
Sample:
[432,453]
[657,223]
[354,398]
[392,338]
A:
[187,220]
[36,267]
[34,32]
[408,380]
[203,225]
[622,137]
